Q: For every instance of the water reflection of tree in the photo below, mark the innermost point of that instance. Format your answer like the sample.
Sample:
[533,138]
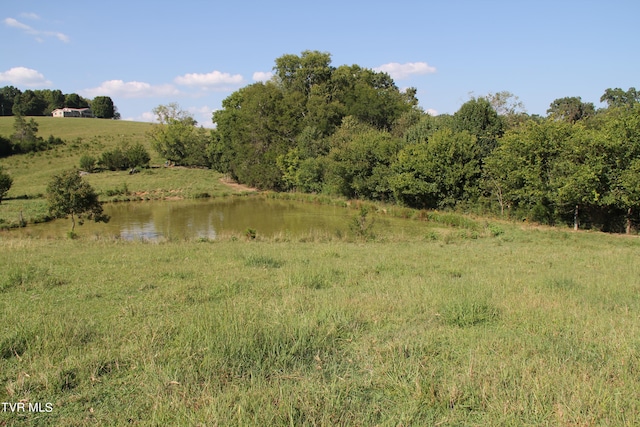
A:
[207,218]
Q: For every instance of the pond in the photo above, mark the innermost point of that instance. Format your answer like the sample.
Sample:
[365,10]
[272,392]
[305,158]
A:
[210,218]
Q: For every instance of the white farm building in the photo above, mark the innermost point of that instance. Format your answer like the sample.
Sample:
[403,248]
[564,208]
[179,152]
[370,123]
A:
[72,112]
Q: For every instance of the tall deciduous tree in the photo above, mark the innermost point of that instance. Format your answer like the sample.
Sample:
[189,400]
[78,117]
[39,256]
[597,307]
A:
[302,73]
[53,98]
[8,95]
[177,138]
[620,98]
[73,100]
[518,172]
[439,173]
[571,109]
[70,196]
[29,103]
[24,138]
[360,167]
[102,107]
[478,117]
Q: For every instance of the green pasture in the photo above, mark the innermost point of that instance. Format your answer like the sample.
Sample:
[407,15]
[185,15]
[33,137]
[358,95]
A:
[529,327]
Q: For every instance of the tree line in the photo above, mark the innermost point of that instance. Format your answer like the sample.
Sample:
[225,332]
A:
[42,102]
[351,131]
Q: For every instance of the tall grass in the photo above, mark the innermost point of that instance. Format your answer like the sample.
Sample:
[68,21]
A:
[524,328]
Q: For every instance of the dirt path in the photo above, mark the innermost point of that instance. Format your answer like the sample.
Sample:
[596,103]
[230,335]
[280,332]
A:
[239,187]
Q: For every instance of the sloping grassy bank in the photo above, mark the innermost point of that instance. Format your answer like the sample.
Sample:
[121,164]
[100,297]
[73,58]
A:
[531,327]
[25,202]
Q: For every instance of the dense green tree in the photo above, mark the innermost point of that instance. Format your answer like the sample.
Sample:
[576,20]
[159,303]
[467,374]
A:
[53,98]
[29,103]
[137,156]
[438,173]
[478,117]
[426,127]
[6,148]
[619,98]
[360,167]
[8,95]
[5,184]
[627,192]
[369,96]
[24,138]
[266,129]
[257,124]
[114,159]
[571,109]
[303,73]
[621,134]
[580,176]
[73,100]
[102,107]
[177,138]
[69,195]
[518,172]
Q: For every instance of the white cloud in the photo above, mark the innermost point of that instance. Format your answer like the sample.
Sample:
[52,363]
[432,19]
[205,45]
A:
[431,112]
[119,88]
[30,15]
[21,76]
[402,71]
[213,80]
[147,116]
[17,24]
[38,34]
[202,115]
[262,76]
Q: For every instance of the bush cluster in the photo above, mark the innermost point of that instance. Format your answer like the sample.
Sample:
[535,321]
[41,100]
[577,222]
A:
[122,158]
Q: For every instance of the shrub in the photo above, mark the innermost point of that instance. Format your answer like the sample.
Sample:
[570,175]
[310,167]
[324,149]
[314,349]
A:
[5,184]
[137,156]
[123,158]
[362,225]
[87,163]
[113,160]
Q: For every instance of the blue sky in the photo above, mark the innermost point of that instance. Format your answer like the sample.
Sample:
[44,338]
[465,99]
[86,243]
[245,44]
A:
[146,53]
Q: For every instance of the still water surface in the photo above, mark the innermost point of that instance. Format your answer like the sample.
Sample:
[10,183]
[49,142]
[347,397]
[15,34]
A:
[188,219]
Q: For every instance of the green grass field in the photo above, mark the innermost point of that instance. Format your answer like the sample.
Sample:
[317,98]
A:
[463,322]
[531,327]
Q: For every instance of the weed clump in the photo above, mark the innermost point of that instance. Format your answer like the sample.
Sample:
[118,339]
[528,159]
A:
[362,224]
[263,261]
[469,313]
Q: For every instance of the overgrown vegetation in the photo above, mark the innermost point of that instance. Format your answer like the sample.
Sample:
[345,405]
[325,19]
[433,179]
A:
[125,158]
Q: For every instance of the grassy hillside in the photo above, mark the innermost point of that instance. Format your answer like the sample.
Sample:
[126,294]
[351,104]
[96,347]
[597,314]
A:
[31,172]
[87,129]
[528,328]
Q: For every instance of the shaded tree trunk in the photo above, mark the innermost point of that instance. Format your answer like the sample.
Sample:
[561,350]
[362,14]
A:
[628,224]
[576,221]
